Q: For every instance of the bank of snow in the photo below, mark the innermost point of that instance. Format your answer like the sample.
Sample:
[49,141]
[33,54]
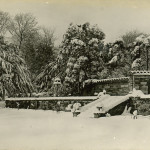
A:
[49,130]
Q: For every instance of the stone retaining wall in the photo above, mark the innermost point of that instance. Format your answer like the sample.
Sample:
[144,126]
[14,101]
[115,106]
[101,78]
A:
[142,105]
[119,88]
[142,83]
[139,80]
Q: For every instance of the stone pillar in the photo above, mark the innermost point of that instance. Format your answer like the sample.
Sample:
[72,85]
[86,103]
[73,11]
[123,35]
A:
[131,82]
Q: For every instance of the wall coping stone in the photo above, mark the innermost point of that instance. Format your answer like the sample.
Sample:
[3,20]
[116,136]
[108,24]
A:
[106,80]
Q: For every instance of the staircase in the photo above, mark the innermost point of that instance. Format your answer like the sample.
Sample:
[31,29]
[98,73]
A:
[94,103]
[107,102]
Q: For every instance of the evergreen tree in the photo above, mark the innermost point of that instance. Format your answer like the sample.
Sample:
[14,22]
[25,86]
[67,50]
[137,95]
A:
[117,59]
[79,59]
[14,75]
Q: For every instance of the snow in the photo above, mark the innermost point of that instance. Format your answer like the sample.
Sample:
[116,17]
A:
[107,102]
[136,63]
[91,108]
[52,98]
[94,103]
[145,96]
[136,93]
[49,130]
[114,101]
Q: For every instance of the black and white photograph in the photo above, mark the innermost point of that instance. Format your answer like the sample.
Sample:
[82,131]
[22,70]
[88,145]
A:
[74,75]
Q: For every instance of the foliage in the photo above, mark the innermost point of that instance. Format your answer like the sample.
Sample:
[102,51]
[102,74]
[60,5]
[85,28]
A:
[79,56]
[22,27]
[35,44]
[121,59]
[117,60]
[130,37]
[144,108]
[82,55]
[4,22]
[45,49]
[14,75]
[140,53]
[39,50]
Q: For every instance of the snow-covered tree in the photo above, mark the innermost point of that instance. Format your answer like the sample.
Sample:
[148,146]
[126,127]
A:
[14,75]
[117,60]
[79,58]
[140,53]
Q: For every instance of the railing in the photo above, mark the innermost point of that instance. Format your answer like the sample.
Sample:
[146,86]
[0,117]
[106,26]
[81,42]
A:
[46,103]
[74,98]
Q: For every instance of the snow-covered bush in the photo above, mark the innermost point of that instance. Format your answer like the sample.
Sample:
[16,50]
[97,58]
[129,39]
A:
[136,64]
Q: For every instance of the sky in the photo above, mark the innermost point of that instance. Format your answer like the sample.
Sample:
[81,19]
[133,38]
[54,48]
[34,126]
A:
[114,17]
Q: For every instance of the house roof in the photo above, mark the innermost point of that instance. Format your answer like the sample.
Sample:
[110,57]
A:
[106,80]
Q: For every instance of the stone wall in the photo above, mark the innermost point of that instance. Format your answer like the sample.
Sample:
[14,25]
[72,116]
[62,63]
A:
[142,83]
[142,105]
[117,88]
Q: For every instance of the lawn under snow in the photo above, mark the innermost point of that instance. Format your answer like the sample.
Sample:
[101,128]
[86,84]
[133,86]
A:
[49,130]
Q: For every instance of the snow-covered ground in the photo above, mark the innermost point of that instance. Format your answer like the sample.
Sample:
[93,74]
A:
[49,130]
